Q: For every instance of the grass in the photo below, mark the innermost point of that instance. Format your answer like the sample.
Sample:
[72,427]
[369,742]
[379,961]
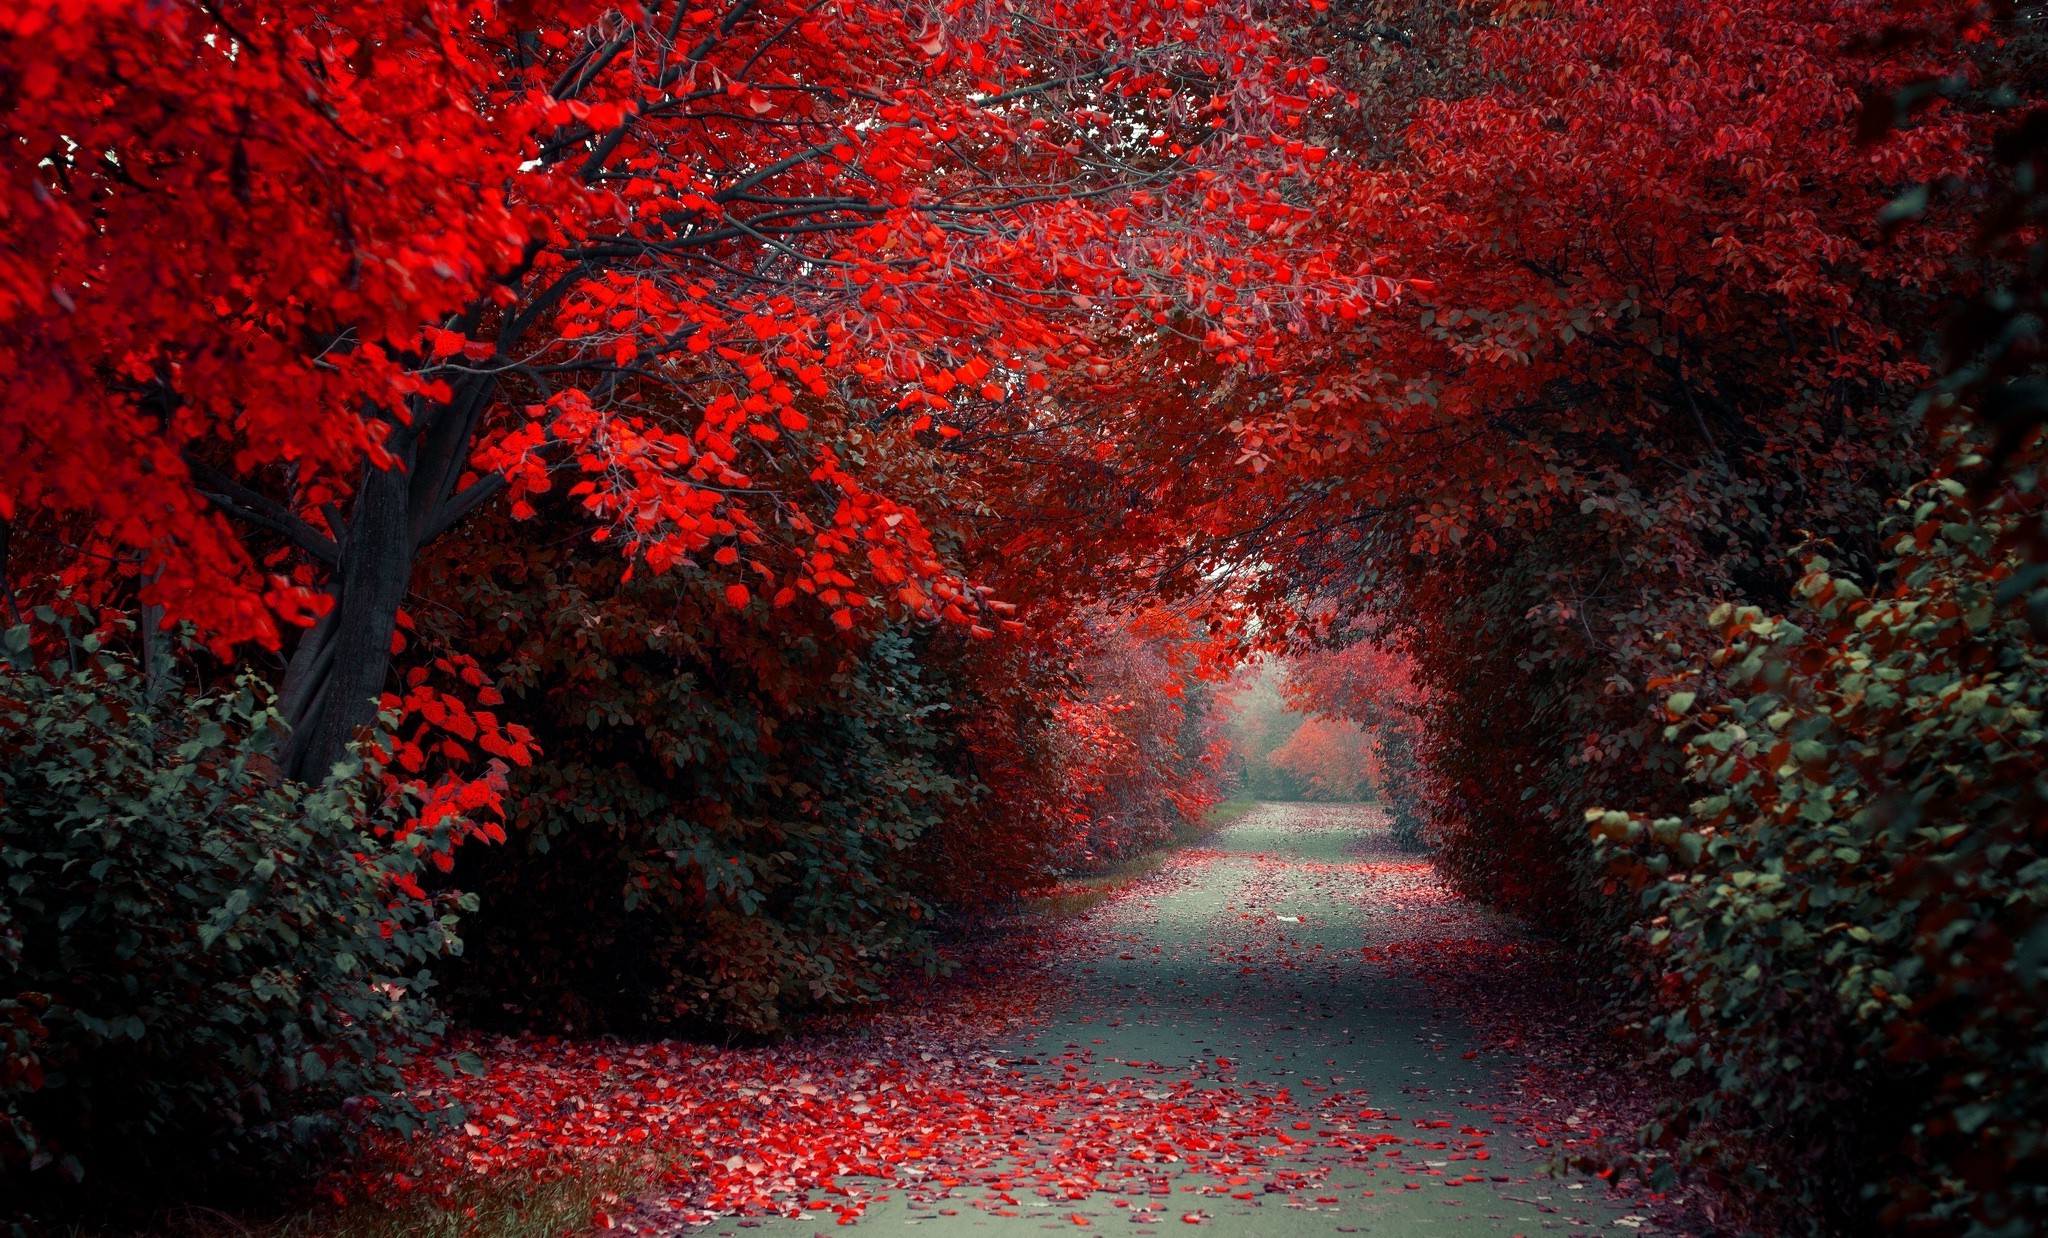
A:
[512,1205]
[1086,890]
[1227,813]
[1078,894]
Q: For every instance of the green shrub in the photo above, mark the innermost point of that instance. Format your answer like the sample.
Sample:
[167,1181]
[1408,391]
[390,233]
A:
[1401,780]
[1851,924]
[722,826]
[201,965]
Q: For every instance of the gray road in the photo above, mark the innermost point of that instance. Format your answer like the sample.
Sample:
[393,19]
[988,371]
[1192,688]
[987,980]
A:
[1231,1029]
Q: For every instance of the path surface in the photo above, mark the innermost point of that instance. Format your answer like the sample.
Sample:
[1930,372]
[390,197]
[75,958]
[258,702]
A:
[1237,1043]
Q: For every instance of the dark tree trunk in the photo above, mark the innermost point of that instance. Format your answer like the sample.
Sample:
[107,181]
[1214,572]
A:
[331,688]
[340,666]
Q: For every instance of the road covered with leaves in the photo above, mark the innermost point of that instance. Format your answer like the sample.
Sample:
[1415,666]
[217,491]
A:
[1293,1029]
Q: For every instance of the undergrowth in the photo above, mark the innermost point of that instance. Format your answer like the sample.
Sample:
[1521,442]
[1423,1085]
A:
[1082,892]
[571,1200]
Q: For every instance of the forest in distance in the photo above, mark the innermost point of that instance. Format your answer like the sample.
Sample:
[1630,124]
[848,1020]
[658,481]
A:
[660,598]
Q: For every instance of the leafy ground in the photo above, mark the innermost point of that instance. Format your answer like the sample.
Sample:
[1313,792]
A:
[1293,1029]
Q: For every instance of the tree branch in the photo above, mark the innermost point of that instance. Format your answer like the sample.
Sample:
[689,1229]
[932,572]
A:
[246,505]
[462,503]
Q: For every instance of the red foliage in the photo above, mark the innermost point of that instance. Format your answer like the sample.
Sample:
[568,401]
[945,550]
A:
[1117,339]
[1564,432]
[444,252]
[536,212]
[226,233]
[1367,683]
[429,756]
[1098,746]
[947,1101]
[1335,759]
[917,1101]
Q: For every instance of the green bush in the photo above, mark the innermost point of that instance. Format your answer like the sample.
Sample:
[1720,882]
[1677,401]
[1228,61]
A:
[1850,926]
[1401,780]
[201,965]
[723,825]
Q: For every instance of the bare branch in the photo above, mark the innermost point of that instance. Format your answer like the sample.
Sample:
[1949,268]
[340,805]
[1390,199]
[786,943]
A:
[248,506]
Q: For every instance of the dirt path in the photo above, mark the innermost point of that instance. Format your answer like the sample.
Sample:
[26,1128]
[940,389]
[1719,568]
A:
[1239,1042]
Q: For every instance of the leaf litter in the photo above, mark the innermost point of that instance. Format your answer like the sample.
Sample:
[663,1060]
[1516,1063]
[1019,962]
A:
[932,1099]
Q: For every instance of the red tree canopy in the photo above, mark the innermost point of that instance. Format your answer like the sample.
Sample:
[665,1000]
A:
[258,244]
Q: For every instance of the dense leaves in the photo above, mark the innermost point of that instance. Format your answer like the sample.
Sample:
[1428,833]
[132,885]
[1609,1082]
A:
[724,825]
[1854,919]
[1573,439]
[652,250]
[223,233]
[201,968]
[816,469]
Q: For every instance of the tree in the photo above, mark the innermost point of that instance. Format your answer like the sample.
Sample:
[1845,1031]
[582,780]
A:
[726,823]
[1334,760]
[1375,689]
[223,231]
[441,252]
[1530,466]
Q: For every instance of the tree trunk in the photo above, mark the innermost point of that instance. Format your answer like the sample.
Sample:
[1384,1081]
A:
[340,666]
[338,670]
